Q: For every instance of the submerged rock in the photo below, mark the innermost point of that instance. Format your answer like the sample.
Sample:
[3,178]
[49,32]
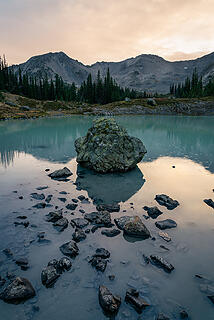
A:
[166,201]
[38,196]
[107,147]
[19,290]
[209,202]
[54,216]
[109,302]
[161,316]
[79,223]
[110,233]
[153,212]
[61,173]
[161,262]
[132,297]
[49,276]
[79,235]
[70,249]
[61,224]
[166,224]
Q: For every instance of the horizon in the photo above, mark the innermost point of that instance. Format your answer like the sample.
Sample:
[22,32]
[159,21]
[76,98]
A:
[95,31]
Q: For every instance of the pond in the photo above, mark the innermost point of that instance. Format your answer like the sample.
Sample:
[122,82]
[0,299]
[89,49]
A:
[179,163]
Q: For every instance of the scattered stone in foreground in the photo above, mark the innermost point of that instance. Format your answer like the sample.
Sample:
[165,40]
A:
[62,199]
[108,207]
[61,224]
[61,173]
[79,223]
[165,236]
[40,205]
[120,222]
[19,290]
[98,260]
[42,188]
[153,212]
[132,297]
[37,196]
[103,253]
[107,147]
[23,223]
[108,301]
[110,233]
[209,202]
[166,201]
[49,276]
[70,249]
[54,216]
[102,218]
[166,224]
[23,263]
[136,228]
[160,262]
[161,316]
[49,197]
[71,206]
[79,235]
[184,314]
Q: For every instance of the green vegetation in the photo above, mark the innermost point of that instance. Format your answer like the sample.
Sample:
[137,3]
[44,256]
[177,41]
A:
[193,88]
[98,91]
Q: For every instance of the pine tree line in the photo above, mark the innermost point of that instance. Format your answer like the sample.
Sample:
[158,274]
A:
[193,87]
[100,91]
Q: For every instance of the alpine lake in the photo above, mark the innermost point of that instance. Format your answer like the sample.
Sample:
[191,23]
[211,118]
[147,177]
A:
[179,163]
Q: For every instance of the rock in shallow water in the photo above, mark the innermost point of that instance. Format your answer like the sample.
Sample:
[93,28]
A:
[166,224]
[61,173]
[132,226]
[110,233]
[19,290]
[153,212]
[61,224]
[160,262]
[107,147]
[54,216]
[209,202]
[166,201]
[109,302]
[108,207]
[132,296]
[70,249]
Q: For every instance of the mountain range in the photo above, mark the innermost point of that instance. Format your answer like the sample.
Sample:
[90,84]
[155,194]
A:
[144,72]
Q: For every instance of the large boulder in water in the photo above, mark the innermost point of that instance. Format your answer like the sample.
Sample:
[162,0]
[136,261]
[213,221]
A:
[107,147]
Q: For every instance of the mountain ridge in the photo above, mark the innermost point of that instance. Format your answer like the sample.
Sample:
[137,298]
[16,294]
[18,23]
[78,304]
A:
[144,72]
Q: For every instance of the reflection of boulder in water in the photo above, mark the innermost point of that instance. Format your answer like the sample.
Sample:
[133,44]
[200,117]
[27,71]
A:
[109,188]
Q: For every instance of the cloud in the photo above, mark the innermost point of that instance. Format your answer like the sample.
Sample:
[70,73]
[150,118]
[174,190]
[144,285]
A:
[91,30]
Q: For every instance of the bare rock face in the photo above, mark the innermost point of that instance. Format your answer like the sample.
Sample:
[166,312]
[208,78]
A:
[19,290]
[108,301]
[107,147]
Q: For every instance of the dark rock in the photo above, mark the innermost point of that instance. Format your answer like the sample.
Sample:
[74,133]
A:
[37,196]
[21,197]
[166,224]
[108,207]
[110,233]
[165,236]
[23,223]
[61,173]
[42,188]
[8,252]
[120,222]
[79,223]
[78,235]
[99,218]
[61,224]
[109,302]
[209,202]
[49,197]
[49,276]
[136,228]
[22,261]
[103,253]
[99,263]
[146,259]
[21,217]
[160,262]
[63,192]
[132,297]
[211,298]
[81,210]
[19,290]
[163,247]
[184,314]
[166,201]
[40,205]
[107,147]
[54,216]
[74,200]
[111,277]
[71,206]
[62,199]
[47,170]
[81,197]
[87,231]
[64,264]
[70,249]
[153,212]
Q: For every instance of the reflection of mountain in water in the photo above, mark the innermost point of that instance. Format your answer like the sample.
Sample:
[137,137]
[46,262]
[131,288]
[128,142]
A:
[109,188]
[53,139]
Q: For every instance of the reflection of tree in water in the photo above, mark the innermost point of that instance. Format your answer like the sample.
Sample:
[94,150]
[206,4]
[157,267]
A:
[109,188]
[53,139]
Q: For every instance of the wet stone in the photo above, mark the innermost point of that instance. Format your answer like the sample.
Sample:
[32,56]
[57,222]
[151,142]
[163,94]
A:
[153,212]
[161,316]
[99,218]
[79,235]
[42,188]
[79,222]
[109,302]
[37,196]
[133,297]
[74,200]
[71,206]
[49,276]
[136,228]
[61,173]
[23,223]
[81,197]
[22,261]
[61,224]
[40,205]
[209,202]
[54,216]
[108,207]
[166,224]
[103,253]
[99,263]
[62,199]
[165,236]
[110,233]
[70,249]
[166,201]
[21,217]
[49,197]
[162,263]
[18,291]
[8,252]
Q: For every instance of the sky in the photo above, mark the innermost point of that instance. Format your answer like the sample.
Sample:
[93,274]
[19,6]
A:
[106,30]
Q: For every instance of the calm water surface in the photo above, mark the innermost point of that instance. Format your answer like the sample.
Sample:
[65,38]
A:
[27,148]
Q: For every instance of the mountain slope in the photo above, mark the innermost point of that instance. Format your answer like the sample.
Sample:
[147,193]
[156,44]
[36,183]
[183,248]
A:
[144,72]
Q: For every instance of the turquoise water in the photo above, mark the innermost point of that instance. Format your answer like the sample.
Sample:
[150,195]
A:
[27,148]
